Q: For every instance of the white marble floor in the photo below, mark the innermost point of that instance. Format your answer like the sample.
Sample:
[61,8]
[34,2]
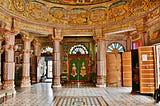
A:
[43,95]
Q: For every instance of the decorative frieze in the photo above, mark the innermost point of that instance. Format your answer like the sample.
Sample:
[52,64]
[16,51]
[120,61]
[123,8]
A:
[104,14]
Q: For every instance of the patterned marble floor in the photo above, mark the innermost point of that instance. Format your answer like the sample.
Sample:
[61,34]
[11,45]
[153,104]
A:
[43,95]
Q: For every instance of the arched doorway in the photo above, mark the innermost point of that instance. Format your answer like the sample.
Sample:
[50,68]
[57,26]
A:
[45,64]
[78,59]
[114,64]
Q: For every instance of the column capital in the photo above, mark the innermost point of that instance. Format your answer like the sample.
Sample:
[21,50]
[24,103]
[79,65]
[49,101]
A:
[26,36]
[98,39]
[53,38]
[1,37]
[36,42]
[57,35]
[98,35]
[7,34]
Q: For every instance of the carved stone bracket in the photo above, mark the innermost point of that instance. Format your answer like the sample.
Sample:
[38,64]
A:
[57,35]
[98,35]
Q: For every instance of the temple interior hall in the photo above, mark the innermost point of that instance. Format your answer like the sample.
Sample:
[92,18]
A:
[79,52]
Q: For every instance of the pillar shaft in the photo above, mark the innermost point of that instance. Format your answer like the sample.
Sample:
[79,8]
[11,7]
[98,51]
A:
[35,77]
[26,63]
[101,63]
[1,51]
[56,64]
[9,64]
[129,42]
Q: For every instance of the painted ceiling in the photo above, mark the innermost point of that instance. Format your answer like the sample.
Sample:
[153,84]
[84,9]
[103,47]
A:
[77,2]
[75,14]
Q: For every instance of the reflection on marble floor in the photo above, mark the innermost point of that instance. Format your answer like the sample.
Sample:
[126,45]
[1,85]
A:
[43,95]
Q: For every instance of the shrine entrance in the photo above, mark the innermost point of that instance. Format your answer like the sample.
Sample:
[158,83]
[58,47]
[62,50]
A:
[78,60]
[78,68]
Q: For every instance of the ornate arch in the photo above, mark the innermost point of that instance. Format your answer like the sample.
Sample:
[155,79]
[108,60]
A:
[78,48]
[47,49]
[115,47]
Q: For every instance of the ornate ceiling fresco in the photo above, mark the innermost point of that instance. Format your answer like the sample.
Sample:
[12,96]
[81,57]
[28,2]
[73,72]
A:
[79,14]
[77,2]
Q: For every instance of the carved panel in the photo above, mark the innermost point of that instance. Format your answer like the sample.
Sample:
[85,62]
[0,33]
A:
[98,14]
[117,12]
[57,12]
[78,16]
[38,11]
[19,5]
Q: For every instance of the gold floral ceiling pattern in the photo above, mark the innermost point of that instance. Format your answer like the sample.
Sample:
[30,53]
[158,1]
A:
[53,13]
[77,2]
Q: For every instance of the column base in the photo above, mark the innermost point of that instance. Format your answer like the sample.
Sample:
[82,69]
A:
[0,85]
[56,82]
[100,86]
[100,81]
[56,86]
[8,85]
[25,82]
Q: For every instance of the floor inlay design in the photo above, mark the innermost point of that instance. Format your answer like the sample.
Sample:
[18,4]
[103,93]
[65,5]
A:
[79,101]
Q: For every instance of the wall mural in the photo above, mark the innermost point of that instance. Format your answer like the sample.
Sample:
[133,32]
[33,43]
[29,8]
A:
[58,12]
[38,10]
[77,16]
[154,35]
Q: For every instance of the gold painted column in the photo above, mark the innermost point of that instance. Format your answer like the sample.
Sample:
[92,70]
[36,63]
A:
[26,61]
[9,64]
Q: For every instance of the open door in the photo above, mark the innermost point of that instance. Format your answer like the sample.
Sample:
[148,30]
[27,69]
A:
[127,68]
[147,67]
[158,65]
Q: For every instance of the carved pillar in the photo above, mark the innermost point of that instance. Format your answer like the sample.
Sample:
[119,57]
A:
[9,64]
[143,37]
[56,64]
[101,57]
[1,51]
[34,72]
[101,62]
[56,37]
[129,41]
[26,62]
